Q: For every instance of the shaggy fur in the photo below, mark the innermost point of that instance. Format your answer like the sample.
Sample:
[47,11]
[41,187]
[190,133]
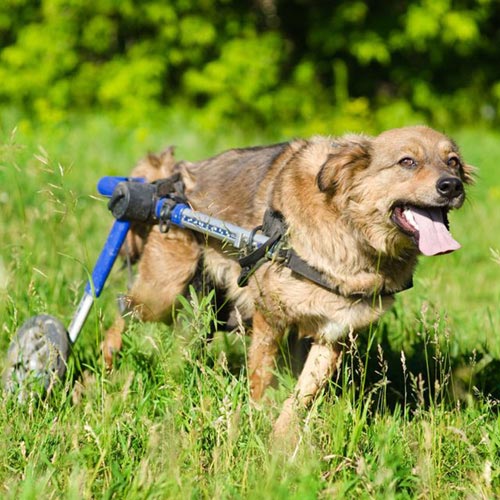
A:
[339,198]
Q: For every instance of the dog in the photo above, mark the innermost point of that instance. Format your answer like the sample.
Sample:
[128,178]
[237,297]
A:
[358,211]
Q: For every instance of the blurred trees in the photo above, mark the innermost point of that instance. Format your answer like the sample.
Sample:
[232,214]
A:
[328,64]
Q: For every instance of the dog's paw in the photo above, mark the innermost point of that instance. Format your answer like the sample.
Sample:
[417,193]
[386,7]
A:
[110,348]
[109,354]
[286,429]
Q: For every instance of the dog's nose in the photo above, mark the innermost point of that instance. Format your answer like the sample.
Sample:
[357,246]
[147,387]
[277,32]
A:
[451,187]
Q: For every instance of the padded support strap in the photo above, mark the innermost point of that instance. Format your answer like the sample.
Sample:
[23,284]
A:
[276,249]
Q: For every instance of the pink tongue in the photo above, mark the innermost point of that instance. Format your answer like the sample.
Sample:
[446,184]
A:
[434,237]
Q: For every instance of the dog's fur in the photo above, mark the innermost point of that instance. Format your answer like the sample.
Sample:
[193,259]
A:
[338,198]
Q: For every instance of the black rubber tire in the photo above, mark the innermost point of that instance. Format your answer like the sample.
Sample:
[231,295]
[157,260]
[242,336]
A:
[37,356]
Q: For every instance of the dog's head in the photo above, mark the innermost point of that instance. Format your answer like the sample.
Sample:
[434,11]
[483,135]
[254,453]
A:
[398,187]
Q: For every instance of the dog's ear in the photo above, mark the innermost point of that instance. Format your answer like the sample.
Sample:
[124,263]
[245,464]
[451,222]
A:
[349,154]
[468,173]
[153,160]
[164,161]
[167,161]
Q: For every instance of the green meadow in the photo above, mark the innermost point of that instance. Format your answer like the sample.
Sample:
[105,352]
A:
[413,413]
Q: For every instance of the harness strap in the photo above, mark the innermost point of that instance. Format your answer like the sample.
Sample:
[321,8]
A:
[301,268]
[273,226]
[276,249]
[251,262]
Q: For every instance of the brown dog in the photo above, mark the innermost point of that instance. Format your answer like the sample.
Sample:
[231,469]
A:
[358,210]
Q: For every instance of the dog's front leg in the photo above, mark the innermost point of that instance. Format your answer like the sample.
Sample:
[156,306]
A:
[262,355]
[318,369]
[112,342]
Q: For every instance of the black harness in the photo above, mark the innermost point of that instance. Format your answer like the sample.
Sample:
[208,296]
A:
[277,249]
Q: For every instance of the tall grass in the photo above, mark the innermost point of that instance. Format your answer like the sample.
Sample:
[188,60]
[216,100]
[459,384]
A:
[411,414]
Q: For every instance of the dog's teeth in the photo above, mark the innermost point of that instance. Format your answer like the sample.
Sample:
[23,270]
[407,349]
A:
[410,218]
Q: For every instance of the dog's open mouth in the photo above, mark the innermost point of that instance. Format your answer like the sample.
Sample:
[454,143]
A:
[428,226]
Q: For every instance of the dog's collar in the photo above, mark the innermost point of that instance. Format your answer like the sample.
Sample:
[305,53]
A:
[277,250]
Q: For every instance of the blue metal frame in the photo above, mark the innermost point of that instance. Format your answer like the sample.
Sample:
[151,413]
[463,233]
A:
[181,215]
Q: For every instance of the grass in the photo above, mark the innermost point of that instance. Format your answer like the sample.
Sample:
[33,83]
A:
[412,414]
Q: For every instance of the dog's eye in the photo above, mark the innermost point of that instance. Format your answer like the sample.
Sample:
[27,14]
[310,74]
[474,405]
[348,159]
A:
[453,162]
[408,162]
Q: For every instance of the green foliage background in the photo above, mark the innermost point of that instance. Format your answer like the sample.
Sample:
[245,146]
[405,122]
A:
[330,66]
